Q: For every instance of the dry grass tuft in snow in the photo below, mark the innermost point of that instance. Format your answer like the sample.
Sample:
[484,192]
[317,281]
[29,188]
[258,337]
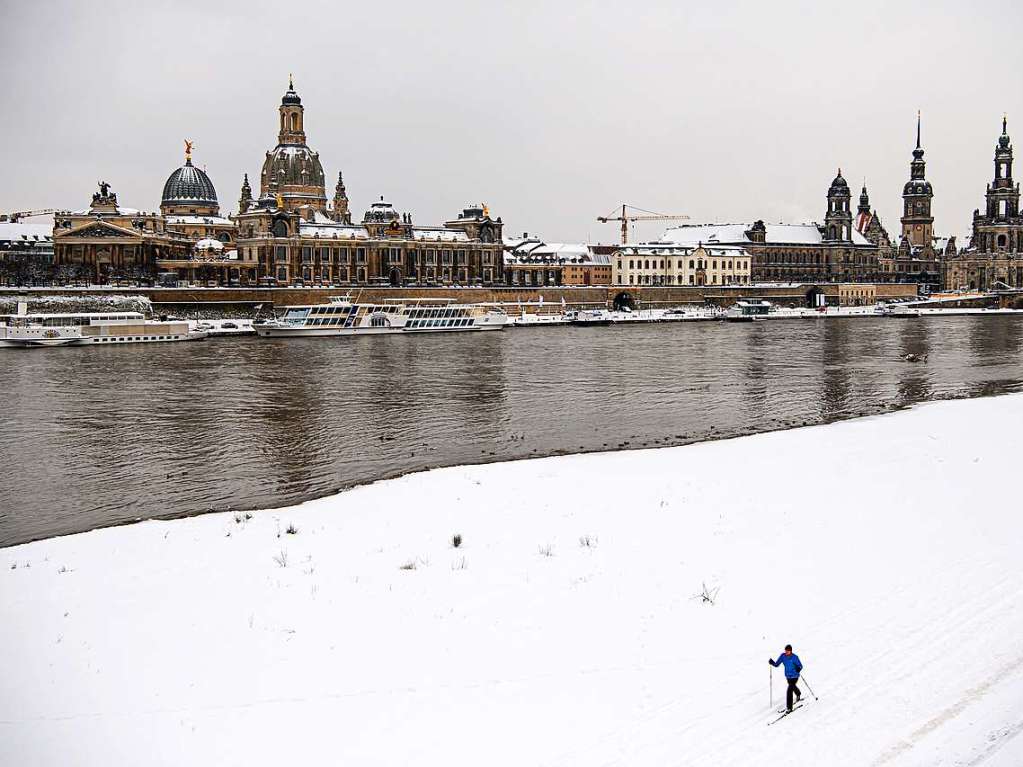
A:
[282,558]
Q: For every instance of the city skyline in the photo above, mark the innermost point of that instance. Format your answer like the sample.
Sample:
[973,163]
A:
[540,140]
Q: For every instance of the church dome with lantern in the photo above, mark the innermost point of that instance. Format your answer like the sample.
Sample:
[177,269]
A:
[292,171]
[188,190]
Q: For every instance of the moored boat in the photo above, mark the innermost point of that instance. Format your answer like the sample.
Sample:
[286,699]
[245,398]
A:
[79,329]
[590,317]
[344,317]
[747,311]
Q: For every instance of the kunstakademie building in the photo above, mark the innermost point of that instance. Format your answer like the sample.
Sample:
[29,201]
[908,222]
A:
[288,235]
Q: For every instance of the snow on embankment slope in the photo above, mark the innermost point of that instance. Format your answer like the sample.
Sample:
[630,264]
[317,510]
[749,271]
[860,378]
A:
[888,550]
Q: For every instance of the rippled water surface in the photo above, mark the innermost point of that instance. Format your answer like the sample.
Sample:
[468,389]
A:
[96,436]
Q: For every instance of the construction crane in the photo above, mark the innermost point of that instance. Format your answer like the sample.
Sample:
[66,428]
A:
[20,214]
[626,217]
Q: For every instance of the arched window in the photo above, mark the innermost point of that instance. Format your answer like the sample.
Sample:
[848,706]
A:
[294,121]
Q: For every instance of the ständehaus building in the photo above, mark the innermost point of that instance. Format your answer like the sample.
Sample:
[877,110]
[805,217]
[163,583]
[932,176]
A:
[834,251]
[289,235]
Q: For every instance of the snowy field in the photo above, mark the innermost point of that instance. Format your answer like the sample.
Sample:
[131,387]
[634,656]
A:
[564,629]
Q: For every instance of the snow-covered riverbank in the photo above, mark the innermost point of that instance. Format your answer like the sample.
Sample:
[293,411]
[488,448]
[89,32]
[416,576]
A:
[566,628]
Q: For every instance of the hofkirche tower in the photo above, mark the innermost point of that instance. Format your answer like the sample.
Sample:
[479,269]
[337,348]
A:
[292,172]
[917,194]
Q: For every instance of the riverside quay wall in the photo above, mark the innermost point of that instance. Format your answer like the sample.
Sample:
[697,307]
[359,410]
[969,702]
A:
[534,299]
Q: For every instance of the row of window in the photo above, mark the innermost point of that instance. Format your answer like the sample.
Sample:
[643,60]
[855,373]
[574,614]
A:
[697,263]
[390,255]
[455,323]
[135,338]
[342,274]
[669,279]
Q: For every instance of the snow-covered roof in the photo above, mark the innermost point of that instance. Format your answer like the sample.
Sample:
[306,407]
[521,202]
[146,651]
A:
[562,250]
[439,234]
[118,211]
[208,220]
[735,234]
[333,231]
[18,232]
[534,252]
[209,244]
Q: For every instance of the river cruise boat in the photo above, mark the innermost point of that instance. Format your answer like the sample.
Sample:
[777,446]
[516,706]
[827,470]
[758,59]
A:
[78,329]
[344,317]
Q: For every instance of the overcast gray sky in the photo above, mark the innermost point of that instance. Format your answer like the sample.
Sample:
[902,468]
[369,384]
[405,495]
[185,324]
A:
[551,112]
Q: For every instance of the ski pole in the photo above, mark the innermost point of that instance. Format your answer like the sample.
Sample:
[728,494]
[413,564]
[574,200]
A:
[770,687]
[808,687]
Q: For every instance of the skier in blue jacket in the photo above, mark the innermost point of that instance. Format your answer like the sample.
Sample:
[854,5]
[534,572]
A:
[793,666]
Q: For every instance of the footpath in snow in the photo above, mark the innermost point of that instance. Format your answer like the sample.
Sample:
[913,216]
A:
[566,629]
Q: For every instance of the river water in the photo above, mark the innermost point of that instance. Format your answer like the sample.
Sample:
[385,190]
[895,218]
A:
[98,436]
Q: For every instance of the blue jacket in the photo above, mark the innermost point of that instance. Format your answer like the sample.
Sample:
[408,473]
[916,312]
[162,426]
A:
[791,663]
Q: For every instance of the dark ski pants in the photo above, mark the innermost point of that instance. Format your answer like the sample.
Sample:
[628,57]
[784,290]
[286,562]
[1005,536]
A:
[790,691]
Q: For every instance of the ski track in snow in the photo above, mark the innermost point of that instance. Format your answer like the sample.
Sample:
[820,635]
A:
[887,550]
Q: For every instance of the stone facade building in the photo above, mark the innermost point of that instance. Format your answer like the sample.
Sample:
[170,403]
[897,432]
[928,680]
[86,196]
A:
[664,264]
[109,243]
[290,236]
[994,258]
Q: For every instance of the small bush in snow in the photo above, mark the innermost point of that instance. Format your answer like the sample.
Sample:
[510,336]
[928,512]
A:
[587,541]
[248,515]
[410,565]
[546,551]
[460,564]
[707,596]
[456,540]
[282,558]
[291,530]
[237,519]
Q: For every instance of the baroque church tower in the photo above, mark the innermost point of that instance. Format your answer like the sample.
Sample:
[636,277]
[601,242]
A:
[245,200]
[1000,229]
[917,194]
[838,219]
[292,174]
[341,213]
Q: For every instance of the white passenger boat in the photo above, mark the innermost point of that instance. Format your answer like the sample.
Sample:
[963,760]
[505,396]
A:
[590,317]
[344,317]
[78,329]
[530,320]
[747,311]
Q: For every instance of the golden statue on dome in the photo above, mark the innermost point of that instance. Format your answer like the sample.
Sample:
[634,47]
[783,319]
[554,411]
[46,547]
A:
[188,150]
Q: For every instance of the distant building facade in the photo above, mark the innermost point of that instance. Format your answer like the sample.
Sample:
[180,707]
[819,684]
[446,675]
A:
[666,264]
[26,253]
[530,261]
[994,257]
[289,236]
